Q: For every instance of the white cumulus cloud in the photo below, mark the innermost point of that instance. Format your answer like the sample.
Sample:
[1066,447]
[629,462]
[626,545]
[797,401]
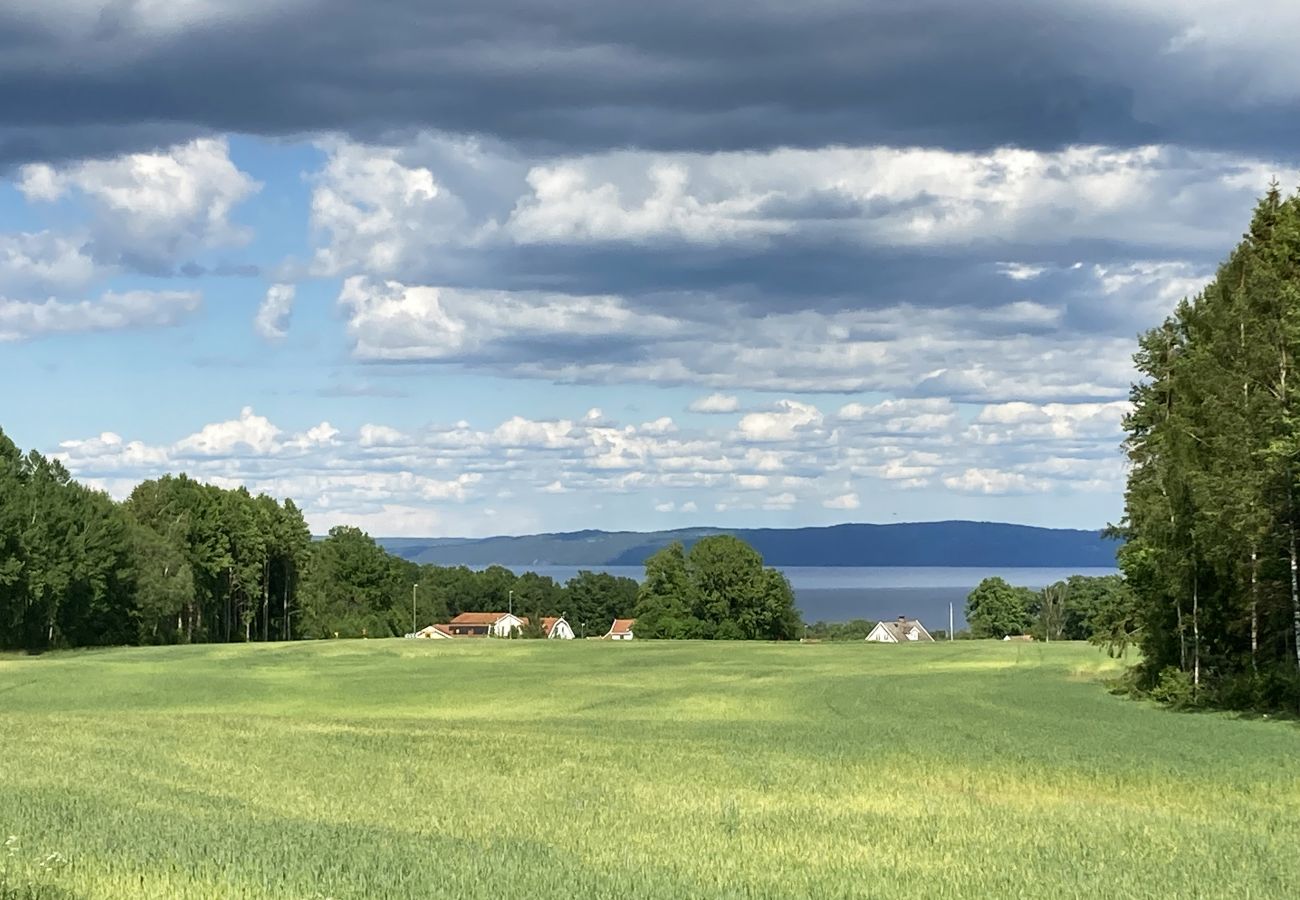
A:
[151,209]
[715,403]
[25,320]
[843,501]
[272,321]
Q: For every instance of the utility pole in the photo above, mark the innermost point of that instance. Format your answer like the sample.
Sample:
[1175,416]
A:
[950,620]
[512,603]
[414,627]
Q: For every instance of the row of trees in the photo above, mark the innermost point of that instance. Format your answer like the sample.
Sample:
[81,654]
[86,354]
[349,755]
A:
[852,630]
[1102,610]
[180,561]
[353,586]
[1212,507]
[719,589]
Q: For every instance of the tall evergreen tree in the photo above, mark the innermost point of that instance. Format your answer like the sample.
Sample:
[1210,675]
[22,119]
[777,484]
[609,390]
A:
[1213,500]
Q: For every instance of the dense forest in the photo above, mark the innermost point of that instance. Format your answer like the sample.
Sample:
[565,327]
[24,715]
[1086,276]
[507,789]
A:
[180,561]
[1212,506]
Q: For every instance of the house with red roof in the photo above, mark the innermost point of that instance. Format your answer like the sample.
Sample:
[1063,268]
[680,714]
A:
[621,630]
[555,627]
[484,624]
[495,624]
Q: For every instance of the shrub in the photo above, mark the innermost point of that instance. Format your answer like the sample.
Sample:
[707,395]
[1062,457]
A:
[1174,687]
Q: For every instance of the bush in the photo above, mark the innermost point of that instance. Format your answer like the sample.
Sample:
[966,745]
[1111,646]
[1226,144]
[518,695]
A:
[1277,690]
[1174,687]
[729,630]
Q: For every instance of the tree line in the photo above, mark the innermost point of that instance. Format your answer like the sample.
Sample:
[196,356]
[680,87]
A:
[1080,608]
[1212,506]
[180,561]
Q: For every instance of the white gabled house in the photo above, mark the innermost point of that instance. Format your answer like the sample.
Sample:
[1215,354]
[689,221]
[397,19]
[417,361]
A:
[435,632]
[899,631]
[621,630]
[556,628]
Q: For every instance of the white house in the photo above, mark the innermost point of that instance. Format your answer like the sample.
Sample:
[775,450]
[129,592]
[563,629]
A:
[438,631]
[899,631]
[621,630]
[556,628]
[484,624]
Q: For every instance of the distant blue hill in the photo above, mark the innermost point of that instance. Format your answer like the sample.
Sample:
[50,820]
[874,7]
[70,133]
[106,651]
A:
[899,544]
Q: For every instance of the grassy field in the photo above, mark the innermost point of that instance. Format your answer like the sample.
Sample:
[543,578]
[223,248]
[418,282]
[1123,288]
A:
[580,769]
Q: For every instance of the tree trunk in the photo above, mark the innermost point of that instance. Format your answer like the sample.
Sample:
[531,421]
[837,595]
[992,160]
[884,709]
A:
[1182,638]
[1295,593]
[1254,609]
[1196,634]
[230,601]
[287,634]
[266,599]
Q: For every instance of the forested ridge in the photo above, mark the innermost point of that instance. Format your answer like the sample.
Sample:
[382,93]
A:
[1212,508]
[180,561]
[951,543]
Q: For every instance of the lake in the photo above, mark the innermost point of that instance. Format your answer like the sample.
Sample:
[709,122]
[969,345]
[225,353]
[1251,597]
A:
[837,594]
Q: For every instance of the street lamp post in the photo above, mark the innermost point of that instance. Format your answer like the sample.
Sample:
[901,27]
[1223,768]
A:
[414,627]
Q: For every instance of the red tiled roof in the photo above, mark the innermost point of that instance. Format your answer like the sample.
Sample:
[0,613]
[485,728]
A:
[622,626]
[478,618]
[548,622]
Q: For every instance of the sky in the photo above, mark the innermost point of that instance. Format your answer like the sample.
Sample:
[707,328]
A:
[500,267]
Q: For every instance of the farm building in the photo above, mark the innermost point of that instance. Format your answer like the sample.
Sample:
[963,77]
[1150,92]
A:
[621,630]
[435,631]
[484,624]
[899,631]
[1018,637]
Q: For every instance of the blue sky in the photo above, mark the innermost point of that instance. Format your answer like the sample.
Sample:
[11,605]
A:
[475,275]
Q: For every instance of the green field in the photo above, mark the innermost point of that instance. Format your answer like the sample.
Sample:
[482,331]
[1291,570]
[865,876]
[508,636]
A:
[582,769]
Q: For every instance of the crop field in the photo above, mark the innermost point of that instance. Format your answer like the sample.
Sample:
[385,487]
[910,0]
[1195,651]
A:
[357,769]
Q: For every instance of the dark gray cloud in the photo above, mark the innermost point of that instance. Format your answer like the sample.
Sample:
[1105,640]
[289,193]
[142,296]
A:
[77,78]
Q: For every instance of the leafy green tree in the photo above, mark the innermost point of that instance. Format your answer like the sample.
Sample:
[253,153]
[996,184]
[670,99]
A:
[164,585]
[995,609]
[12,591]
[719,589]
[852,630]
[666,597]
[352,587]
[593,600]
[1053,600]
[1112,620]
[533,628]
[539,594]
